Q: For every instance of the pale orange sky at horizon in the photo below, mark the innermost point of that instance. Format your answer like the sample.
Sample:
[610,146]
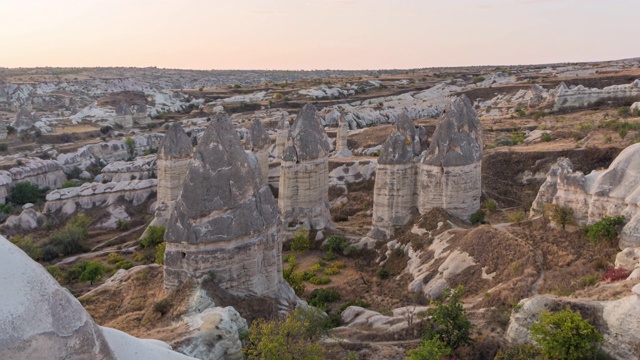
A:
[314,34]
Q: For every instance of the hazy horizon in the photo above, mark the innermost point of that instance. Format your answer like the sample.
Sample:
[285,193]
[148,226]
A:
[314,35]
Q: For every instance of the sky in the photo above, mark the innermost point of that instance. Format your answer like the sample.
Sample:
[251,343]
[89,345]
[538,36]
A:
[314,34]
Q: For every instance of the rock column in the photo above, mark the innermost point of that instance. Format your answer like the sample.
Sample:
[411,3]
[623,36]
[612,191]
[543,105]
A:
[259,144]
[341,139]
[281,137]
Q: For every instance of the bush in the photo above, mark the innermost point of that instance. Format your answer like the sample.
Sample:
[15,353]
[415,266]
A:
[155,235]
[296,337]
[49,252]
[27,245]
[382,274]
[516,217]
[70,239]
[295,279]
[561,215]
[566,335]
[432,349]
[301,241]
[69,184]
[26,192]
[477,217]
[449,320]
[329,256]
[131,147]
[319,297]
[331,271]
[160,253]
[114,258]
[517,137]
[55,272]
[357,302]
[4,147]
[615,274]
[336,244]
[491,205]
[519,352]
[605,230]
[163,306]
[123,225]
[319,280]
[477,79]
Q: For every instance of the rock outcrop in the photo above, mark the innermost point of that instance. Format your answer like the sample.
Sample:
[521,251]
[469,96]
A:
[124,116]
[449,173]
[42,320]
[580,96]
[617,320]
[225,225]
[342,150]
[25,119]
[395,186]
[259,143]
[44,173]
[140,168]
[29,219]
[140,115]
[303,195]
[611,192]
[174,159]
[282,132]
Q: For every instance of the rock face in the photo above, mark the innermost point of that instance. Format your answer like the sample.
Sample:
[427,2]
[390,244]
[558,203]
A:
[616,320]
[303,195]
[42,320]
[124,116]
[225,224]
[259,143]
[395,186]
[28,220]
[25,119]
[174,159]
[580,96]
[341,140]
[611,192]
[449,173]
[281,136]
[44,173]
[140,115]
[140,168]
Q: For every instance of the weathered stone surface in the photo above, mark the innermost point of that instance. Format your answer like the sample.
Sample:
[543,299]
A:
[303,195]
[24,119]
[224,222]
[44,173]
[281,136]
[449,173]
[28,219]
[580,96]
[176,144]
[615,319]
[628,259]
[259,143]
[141,168]
[42,320]
[611,192]
[89,195]
[124,116]
[341,139]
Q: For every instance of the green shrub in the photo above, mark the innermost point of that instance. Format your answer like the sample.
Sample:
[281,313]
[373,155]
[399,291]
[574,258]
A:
[477,79]
[69,184]
[6,208]
[49,252]
[331,271]
[336,244]
[520,111]
[320,297]
[123,225]
[295,279]
[131,147]
[519,352]
[27,245]
[516,217]
[605,230]
[477,217]
[160,253]
[315,267]
[154,236]
[561,215]
[546,137]
[329,256]
[430,349]
[55,272]
[382,274]
[86,271]
[4,147]
[491,205]
[114,258]
[357,302]
[517,137]
[81,221]
[301,241]
[163,306]
[566,335]
[319,280]
[26,192]
[70,239]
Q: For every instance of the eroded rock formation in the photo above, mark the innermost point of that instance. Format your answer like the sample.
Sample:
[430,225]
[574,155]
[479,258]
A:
[449,173]
[124,117]
[580,96]
[174,159]
[611,192]
[42,320]
[259,143]
[281,137]
[342,150]
[303,195]
[225,224]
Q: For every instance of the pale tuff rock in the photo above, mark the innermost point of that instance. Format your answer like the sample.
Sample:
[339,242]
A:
[28,220]
[342,150]
[124,116]
[224,223]
[634,109]
[25,119]
[141,168]
[355,317]
[140,115]
[449,173]
[281,136]
[628,259]
[259,143]
[580,96]
[3,131]
[303,195]
[174,159]
[42,320]
[537,96]
[610,192]
[89,195]
[5,186]
[44,173]
[616,320]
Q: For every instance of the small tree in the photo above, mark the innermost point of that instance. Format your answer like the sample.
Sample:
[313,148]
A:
[301,240]
[561,215]
[93,271]
[605,229]
[154,236]
[26,192]
[566,335]
[131,147]
[449,320]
